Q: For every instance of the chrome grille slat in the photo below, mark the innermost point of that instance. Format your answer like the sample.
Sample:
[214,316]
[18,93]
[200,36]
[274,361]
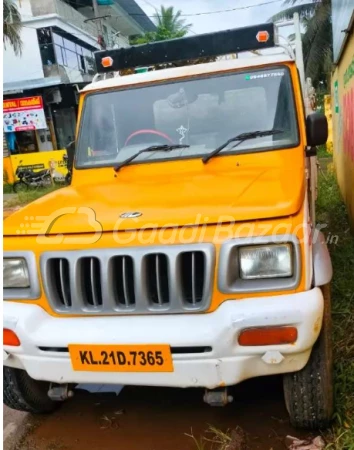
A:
[175,285]
[143,280]
[139,282]
[194,299]
[125,281]
[93,283]
[158,280]
[107,283]
[62,283]
[74,282]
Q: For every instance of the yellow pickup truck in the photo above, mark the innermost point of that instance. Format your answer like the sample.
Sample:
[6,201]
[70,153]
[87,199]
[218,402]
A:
[184,253]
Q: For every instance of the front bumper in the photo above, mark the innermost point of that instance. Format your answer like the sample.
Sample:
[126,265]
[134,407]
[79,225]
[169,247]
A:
[226,364]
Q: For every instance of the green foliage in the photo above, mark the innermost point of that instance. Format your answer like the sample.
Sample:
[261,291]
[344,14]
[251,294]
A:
[23,198]
[169,25]
[317,39]
[331,211]
[12,26]
[7,188]
[170,21]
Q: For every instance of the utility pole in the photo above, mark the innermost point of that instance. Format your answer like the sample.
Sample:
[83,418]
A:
[95,8]
[99,23]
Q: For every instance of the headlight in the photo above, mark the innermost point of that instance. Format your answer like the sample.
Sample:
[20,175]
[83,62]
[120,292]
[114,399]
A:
[266,261]
[15,273]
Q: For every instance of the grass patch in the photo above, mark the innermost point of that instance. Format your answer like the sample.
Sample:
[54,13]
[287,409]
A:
[331,210]
[322,152]
[216,439]
[7,188]
[29,196]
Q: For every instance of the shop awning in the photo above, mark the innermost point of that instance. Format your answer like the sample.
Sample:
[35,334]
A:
[20,86]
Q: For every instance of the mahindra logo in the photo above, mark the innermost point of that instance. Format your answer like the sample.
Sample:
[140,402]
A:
[131,215]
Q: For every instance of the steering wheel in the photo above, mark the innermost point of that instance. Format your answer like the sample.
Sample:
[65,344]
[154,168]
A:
[157,133]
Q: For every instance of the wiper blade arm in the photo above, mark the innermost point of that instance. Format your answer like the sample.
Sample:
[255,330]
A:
[153,148]
[239,139]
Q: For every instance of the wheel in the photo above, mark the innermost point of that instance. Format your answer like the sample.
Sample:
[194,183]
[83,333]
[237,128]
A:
[47,181]
[20,186]
[309,392]
[68,178]
[23,393]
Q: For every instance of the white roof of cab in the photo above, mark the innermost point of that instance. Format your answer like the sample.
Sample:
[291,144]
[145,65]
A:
[180,72]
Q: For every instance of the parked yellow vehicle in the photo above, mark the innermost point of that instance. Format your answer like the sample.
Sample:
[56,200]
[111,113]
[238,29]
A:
[184,253]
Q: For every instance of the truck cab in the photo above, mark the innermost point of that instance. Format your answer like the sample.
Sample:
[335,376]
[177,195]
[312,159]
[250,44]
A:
[184,253]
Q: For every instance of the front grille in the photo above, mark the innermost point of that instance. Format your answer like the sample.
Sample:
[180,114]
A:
[157,279]
[169,279]
[123,281]
[193,274]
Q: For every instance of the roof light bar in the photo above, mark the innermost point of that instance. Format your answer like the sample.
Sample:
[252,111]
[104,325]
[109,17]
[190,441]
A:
[204,45]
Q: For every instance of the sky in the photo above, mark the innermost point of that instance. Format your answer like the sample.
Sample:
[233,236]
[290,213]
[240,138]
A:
[251,15]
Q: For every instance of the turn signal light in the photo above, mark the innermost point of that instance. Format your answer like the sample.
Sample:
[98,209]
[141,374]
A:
[107,61]
[262,36]
[268,336]
[10,338]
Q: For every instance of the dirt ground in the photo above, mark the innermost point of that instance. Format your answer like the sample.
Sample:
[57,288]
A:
[161,419]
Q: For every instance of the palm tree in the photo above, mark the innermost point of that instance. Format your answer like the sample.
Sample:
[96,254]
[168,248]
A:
[169,25]
[172,22]
[317,39]
[12,26]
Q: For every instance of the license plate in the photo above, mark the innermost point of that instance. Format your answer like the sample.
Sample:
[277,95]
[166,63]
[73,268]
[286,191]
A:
[121,358]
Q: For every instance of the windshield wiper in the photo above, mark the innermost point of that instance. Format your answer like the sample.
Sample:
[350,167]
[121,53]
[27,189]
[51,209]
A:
[153,148]
[239,139]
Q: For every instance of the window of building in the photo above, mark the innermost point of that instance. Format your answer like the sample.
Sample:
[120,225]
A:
[46,46]
[73,56]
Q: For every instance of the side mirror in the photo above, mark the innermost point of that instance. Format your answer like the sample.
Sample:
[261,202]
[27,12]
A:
[70,151]
[316,129]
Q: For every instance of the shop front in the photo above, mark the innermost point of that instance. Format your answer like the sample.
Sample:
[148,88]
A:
[25,125]
[30,137]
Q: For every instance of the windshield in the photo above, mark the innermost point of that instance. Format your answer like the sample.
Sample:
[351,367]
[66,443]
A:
[200,113]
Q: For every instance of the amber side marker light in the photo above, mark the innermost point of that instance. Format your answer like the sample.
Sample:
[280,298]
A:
[262,36]
[267,336]
[10,338]
[107,61]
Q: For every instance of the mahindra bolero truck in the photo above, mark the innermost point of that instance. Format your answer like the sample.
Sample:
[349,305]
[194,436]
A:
[185,252]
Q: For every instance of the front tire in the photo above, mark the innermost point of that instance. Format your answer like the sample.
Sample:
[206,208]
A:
[20,186]
[68,178]
[47,181]
[23,393]
[309,392]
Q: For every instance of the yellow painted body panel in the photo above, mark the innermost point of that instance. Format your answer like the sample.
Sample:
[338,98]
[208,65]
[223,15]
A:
[8,172]
[211,233]
[343,124]
[238,188]
[259,193]
[328,113]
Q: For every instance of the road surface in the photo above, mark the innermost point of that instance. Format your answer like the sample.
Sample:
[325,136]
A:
[160,419]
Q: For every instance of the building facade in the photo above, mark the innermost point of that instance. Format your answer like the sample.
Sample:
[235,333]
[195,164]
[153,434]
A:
[343,99]
[41,85]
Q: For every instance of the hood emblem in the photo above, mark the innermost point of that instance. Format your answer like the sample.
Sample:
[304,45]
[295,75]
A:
[131,215]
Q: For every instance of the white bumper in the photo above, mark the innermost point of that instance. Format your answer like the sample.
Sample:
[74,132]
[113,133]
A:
[228,363]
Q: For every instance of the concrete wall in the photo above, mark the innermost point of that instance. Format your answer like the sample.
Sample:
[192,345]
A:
[28,66]
[66,12]
[343,124]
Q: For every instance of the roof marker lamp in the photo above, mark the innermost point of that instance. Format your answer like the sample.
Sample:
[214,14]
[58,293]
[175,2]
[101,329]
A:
[107,61]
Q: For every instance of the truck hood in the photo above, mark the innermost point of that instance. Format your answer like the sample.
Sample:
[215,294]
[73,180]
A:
[192,199]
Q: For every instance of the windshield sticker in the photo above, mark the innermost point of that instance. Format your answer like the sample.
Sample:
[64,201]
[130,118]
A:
[264,75]
[182,131]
